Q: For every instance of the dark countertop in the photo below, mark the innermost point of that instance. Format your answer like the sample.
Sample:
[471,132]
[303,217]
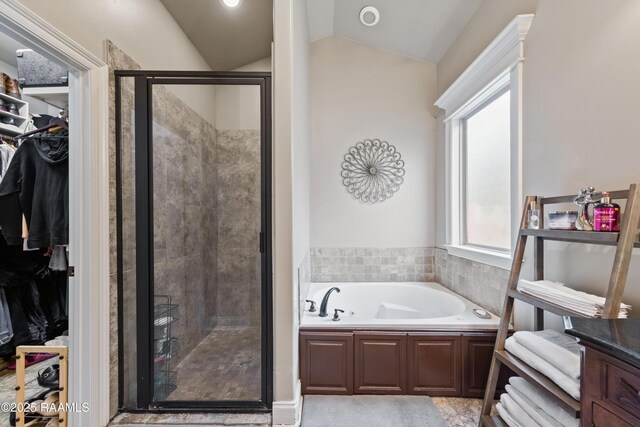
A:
[621,337]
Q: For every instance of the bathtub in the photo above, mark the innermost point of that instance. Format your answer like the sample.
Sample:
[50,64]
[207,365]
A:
[397,305]
[395,338]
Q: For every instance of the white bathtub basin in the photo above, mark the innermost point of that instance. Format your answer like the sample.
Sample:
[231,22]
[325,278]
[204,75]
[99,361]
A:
[416,305]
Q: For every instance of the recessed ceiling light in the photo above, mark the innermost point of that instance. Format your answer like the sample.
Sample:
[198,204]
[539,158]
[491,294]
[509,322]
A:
[231,3]
[369,16]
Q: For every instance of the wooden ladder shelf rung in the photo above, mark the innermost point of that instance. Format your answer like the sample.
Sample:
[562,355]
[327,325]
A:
[624,240]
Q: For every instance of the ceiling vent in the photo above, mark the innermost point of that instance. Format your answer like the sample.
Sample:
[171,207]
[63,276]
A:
[369,16]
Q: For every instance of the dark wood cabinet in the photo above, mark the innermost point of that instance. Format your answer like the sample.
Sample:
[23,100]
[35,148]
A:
[326,362]
[477,350]
[610,390]
[380,363]
[441,363]
[434,364]
[476,353]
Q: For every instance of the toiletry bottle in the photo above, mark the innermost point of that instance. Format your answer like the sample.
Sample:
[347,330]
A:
[606,215]
[533,216]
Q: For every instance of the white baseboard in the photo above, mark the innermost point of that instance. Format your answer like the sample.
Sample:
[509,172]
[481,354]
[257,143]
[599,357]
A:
[288,413]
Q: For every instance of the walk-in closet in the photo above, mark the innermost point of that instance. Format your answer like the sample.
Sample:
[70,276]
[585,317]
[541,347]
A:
[34,233]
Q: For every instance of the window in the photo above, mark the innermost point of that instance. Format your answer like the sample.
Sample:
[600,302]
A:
[486,207]
[483,151]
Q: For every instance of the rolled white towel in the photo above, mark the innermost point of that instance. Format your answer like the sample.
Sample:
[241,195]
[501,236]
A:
[533,410]
[560,350]
[506,417]
[568,384]
[517,413]
[546,403]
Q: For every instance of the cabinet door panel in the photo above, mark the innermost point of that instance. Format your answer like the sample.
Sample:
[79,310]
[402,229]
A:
[604,418]
[326,363]
[380,363]
[434,365]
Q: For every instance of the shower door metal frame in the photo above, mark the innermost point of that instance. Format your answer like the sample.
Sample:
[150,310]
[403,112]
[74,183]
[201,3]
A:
[143,135]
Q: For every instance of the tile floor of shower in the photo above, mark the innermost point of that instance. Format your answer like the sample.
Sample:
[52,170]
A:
[225,365]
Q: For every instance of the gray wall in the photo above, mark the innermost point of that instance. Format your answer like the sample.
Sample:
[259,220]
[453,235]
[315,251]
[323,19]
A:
[359,92]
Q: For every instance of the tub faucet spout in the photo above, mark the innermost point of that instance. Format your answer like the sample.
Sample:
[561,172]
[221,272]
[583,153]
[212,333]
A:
[325,301]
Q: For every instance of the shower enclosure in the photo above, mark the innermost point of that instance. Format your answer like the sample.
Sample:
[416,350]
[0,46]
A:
[193,188]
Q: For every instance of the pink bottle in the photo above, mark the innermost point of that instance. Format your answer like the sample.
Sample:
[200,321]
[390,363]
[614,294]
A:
[606,215]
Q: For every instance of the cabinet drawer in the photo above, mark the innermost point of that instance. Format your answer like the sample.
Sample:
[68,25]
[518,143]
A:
[622,388]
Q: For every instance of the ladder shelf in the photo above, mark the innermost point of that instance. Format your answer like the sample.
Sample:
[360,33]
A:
[624,240]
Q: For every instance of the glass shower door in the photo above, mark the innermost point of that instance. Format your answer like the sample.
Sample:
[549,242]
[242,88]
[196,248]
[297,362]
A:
[203,287]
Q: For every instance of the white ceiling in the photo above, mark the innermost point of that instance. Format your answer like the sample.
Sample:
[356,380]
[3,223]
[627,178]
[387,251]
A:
[227,38]
[421,29]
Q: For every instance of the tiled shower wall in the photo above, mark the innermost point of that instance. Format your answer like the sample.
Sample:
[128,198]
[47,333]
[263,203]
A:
[372,264]
[183,161]
[481,283]
[206,222]
[238,220]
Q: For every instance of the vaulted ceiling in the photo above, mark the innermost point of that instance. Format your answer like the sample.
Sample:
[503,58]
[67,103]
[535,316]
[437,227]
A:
[227,38]
[421,29]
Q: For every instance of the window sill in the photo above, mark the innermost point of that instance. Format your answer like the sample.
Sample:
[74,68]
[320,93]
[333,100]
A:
[493,258]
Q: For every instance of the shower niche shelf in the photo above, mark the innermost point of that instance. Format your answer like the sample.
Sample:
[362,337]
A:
[166,346]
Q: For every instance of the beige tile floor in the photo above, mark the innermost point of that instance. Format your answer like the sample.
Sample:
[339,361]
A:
[458,411]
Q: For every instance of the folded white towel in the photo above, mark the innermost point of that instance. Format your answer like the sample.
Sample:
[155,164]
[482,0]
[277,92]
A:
[583,307]
[568,384]
[516,412]
[545,402]
[506,416]
[558,293]
[560,350]
[533,410]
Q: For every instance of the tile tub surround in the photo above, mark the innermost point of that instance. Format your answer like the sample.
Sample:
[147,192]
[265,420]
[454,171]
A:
[483,284]
[372,264]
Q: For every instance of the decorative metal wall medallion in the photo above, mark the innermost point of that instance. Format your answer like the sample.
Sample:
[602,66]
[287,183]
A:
[372,171]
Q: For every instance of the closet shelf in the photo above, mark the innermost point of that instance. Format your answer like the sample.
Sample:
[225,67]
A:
[12,100]
[576,236]
[10,130]
[492,421]
[545,305]
[535,377]
[14,116]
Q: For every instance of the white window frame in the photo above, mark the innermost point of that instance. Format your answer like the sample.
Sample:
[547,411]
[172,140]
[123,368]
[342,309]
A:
[499,66]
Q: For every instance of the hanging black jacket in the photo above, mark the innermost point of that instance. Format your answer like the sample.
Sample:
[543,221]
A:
[37,184]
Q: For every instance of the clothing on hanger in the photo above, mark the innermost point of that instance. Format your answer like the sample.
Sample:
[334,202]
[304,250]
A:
[6,154]
[37,185]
